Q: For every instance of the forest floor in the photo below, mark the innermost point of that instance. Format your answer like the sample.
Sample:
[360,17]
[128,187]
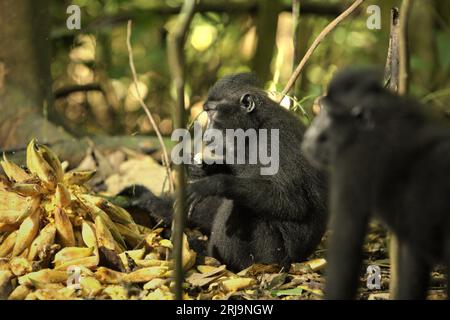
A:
[135,262]
[306,280]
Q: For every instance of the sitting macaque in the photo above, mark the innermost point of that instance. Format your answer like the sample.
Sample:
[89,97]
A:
[251,217]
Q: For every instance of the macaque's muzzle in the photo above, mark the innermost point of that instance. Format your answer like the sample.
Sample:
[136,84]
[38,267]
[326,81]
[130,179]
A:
[315,145]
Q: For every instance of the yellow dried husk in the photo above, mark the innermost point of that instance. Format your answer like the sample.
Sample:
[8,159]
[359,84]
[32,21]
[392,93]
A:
[52,230]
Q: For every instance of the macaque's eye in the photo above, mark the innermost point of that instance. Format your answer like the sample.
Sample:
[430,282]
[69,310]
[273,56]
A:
[363,116]
[357,112]
[247,102]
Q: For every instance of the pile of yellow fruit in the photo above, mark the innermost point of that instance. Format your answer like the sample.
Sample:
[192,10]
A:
[50,225]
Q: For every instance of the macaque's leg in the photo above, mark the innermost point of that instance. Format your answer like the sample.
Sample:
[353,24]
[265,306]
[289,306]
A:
[448,278]
[349,217]
[448,266]
[413,274]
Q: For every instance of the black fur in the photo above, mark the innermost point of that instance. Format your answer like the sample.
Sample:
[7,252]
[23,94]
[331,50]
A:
[253,218]
[388,156]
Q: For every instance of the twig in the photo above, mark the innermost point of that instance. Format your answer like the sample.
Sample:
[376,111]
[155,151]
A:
[434,95]
[391,71]
[146,109]
[392,74]
[296,26]
[175,52]
[295,30]
[397,68]
[316,43]
[65,91]
[403,84]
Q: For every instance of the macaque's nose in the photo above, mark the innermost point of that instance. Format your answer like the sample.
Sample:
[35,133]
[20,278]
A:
[209,106]
[322,137]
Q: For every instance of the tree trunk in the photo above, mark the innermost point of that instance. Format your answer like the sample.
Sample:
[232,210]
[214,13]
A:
[25,88]
[266,30]
[25,83]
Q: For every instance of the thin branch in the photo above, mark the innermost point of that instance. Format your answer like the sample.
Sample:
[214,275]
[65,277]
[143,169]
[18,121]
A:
[403,84]
[296,8]
[435,95]
[65,91]
[217,6]
[391,71]
[295,29]
[175,52]
[146,109]
[316,43]
[397,68]
[392,78]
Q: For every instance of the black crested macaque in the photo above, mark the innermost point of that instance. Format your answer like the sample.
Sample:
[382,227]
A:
[387,156]
[249,217]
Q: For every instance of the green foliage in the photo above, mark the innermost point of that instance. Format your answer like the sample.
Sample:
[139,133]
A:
[443,44]
[287,292]
[218,43]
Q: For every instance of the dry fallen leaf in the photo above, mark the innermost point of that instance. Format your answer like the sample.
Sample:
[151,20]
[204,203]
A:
[202,279]
[237,284]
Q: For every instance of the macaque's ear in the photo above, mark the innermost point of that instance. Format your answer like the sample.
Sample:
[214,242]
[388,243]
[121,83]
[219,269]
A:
[318,105]
[248,102]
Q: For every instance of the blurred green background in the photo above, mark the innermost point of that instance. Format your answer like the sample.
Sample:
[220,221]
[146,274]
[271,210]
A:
[225,37]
